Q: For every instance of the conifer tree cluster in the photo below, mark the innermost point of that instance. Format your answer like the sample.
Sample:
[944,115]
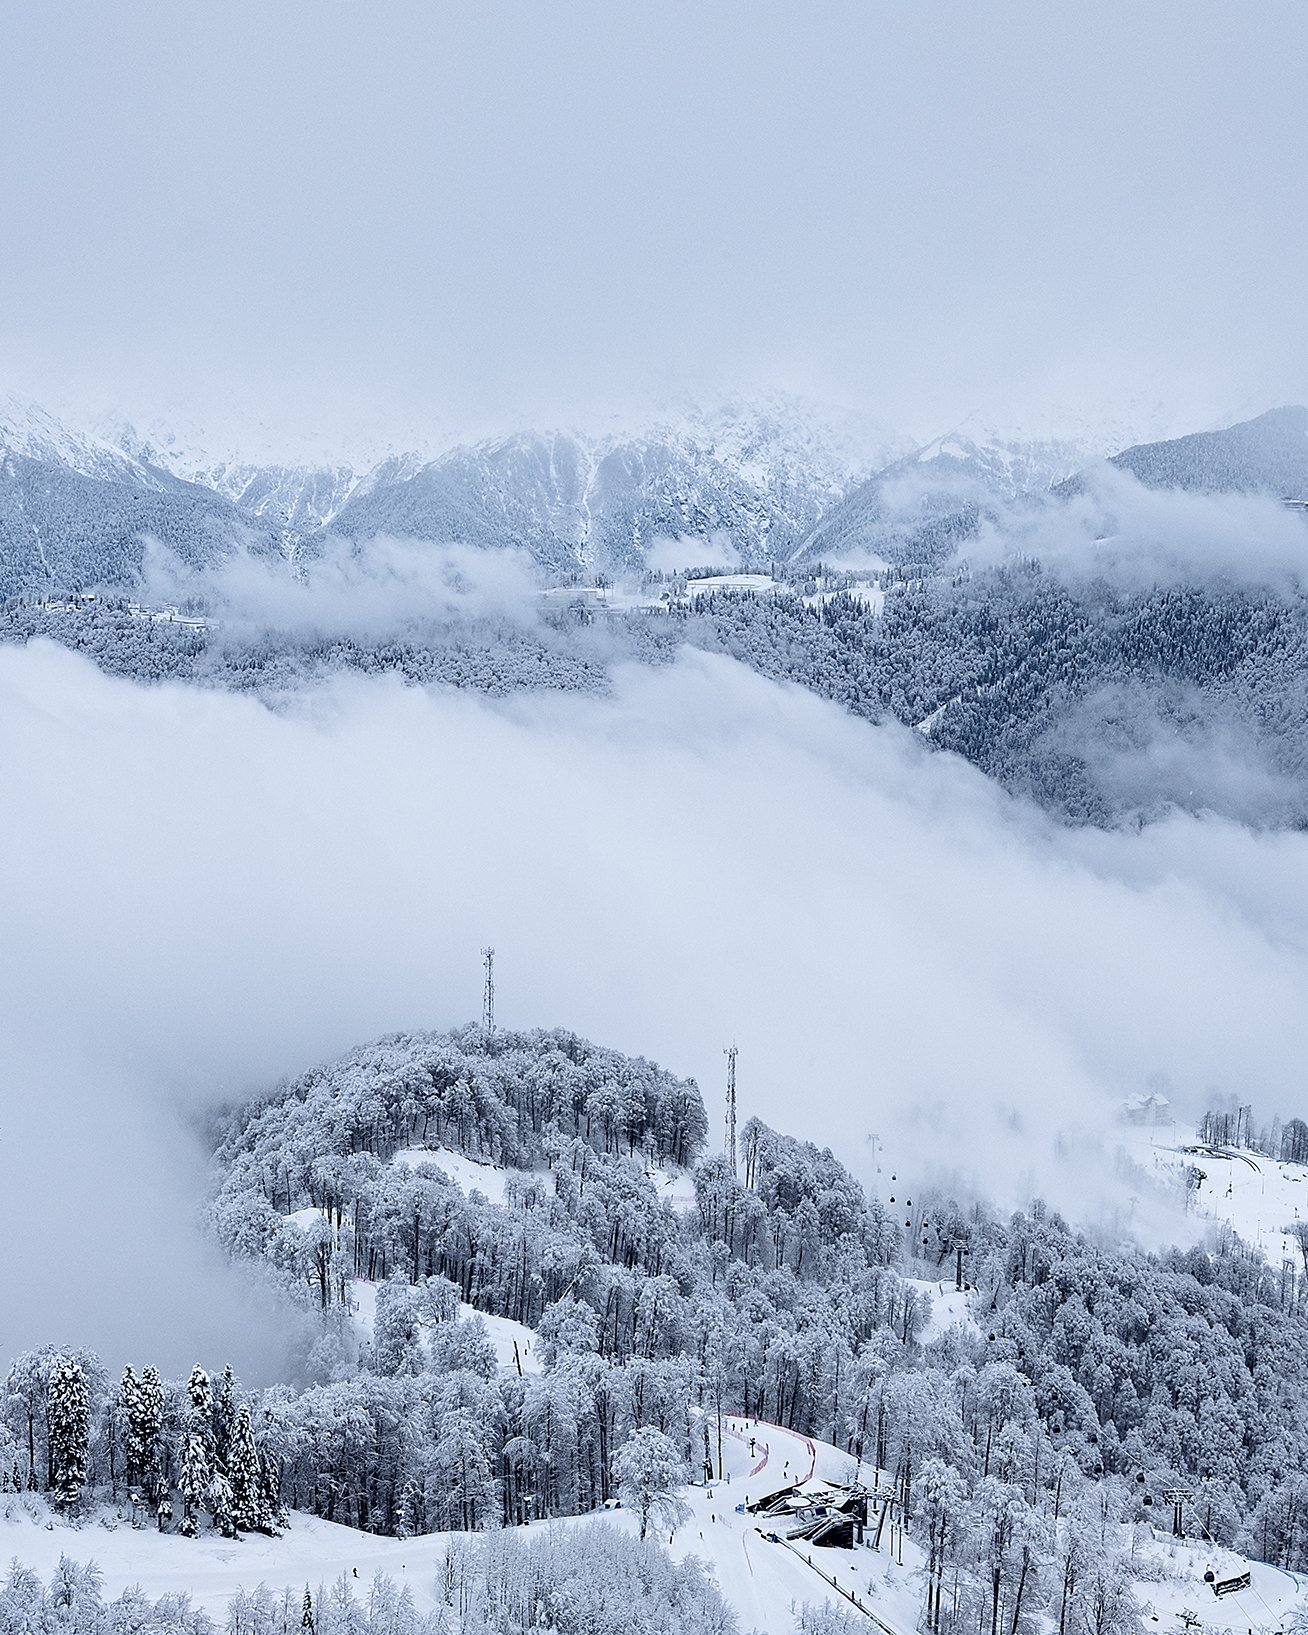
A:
[143,1443]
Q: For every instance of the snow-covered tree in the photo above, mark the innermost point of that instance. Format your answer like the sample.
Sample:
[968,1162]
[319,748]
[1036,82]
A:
[70,1427]
[222,1504]
[245,1475]
[194,1477]
[649,1472]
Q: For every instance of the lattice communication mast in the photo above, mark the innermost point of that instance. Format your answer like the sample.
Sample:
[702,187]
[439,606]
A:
[730,1145]
[488,993]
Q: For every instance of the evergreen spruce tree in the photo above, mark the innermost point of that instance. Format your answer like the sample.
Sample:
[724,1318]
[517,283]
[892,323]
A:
[197,1465]
[409,1509]
[220,1502]
[150,1432]
[244,1474]
[196,1474]
[70,1429]
[200,1391]
[224,1417]
[129,1394]
[270,1489]
[142,1401]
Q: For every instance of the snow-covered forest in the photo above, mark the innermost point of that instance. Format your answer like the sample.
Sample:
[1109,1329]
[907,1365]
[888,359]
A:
[1103,696]
[761,554]
[526,1290]
[520,1314]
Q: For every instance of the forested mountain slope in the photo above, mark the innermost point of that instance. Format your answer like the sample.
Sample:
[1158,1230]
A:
[1100,701]
[1076,1386]
[76,510]
[1266,455]
[1155,662]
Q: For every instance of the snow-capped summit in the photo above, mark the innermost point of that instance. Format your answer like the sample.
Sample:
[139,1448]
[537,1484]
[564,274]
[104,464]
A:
[30,432]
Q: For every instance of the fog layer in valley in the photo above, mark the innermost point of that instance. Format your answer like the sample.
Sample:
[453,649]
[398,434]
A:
[200,894]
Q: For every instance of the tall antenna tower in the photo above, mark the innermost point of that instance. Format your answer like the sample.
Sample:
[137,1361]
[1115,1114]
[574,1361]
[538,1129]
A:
[488,993]
[730,1148]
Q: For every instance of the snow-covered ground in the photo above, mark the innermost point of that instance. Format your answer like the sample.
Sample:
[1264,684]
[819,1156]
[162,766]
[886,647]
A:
[761,1580]
[469,1174]
[949,1306]
[1256,1195]
[674,1186]
[1267,1605]
[306,1218]
[517,1348]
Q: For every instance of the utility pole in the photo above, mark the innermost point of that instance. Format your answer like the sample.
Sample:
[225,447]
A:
[730,1148]
[488,994]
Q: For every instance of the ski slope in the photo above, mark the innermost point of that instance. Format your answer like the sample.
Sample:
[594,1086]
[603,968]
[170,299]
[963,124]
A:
[762,1581]
[1255,1195]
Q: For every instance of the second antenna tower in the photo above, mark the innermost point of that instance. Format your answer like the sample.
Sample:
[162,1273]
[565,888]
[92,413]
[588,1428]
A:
[730,1054]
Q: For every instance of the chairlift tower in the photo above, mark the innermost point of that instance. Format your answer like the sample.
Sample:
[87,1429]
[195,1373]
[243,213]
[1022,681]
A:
[730,1144]
[488,993]
[1177,1498]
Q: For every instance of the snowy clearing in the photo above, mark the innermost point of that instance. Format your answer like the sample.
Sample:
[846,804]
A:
[750,584]
[517,1349]
[949,1307]
[306,1219]
[675,1187]
[468,1174]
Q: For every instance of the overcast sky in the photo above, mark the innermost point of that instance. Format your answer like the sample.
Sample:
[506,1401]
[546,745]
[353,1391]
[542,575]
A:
[331,214]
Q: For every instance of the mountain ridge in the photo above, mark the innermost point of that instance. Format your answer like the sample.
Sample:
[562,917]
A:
[747,484]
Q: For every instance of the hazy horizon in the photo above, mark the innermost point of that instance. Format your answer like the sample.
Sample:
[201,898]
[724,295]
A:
[301,225]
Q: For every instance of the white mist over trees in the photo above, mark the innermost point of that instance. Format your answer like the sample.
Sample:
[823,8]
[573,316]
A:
[359,849]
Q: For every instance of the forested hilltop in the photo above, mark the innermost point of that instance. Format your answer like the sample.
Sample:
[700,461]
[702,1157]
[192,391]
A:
[525,1308]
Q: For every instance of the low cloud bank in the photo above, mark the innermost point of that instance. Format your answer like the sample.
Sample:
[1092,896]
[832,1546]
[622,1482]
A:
[348,590]
[200,895]
[1135,536]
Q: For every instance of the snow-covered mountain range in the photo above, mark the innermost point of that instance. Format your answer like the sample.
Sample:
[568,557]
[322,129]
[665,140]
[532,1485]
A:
[758,482]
